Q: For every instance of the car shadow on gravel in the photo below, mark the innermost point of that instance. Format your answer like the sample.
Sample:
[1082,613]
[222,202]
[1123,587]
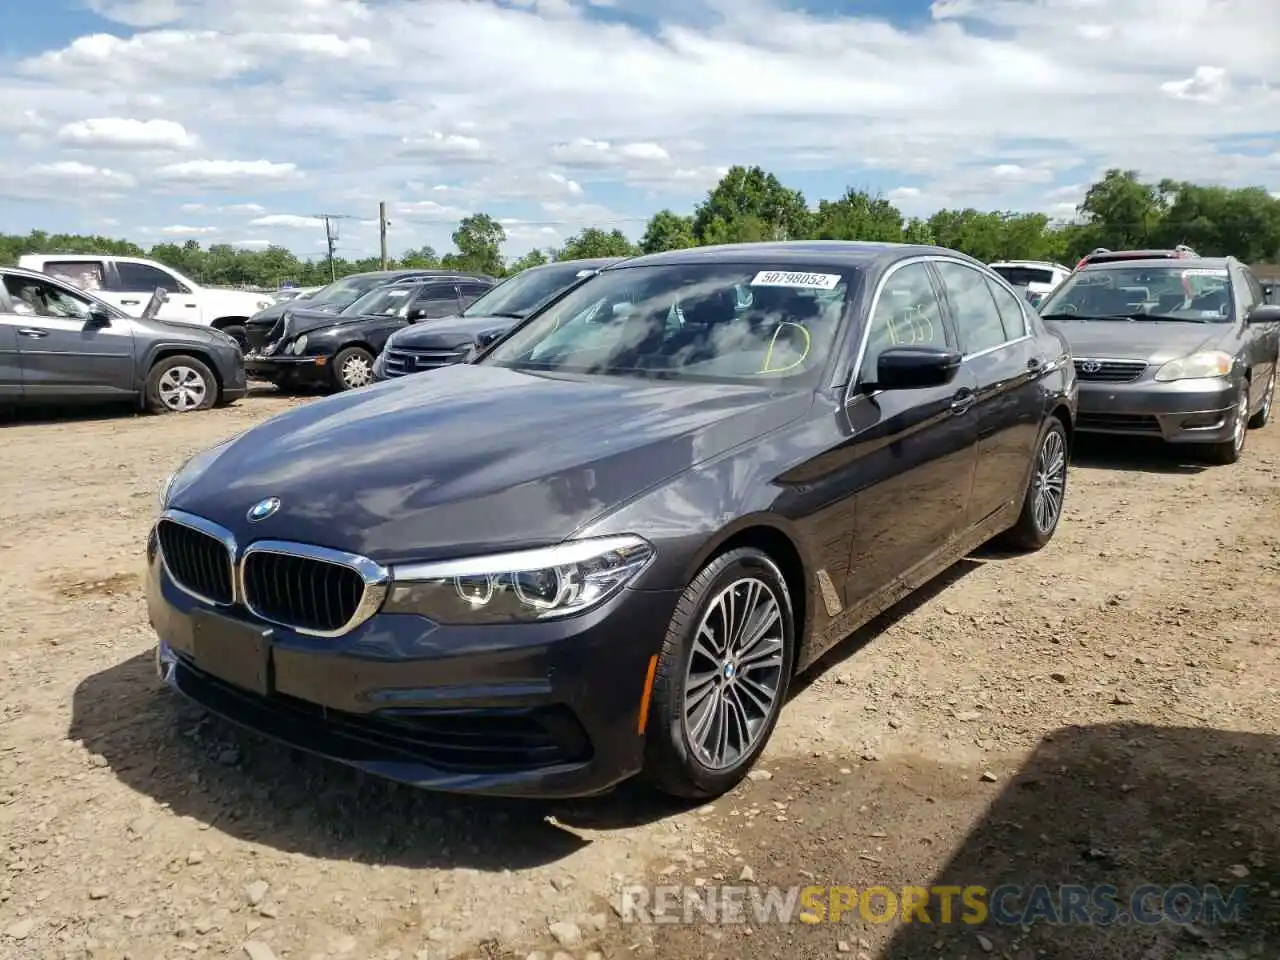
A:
[263,792]
[1162,815]
[1135,454]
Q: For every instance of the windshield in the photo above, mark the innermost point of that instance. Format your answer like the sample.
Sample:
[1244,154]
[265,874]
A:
[347,290]
[382,302]
[719,322]
[1173,292]
[1022,276]
[518,296]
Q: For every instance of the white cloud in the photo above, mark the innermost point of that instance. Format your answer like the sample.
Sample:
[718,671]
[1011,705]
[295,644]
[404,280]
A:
[214,174]
[121,133]
[994,103]
[179,230]
[235,208]
[289,221]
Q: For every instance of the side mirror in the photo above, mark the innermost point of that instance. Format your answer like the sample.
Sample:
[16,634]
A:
[910,368]
[1265,313]
[415,314]
[99,316]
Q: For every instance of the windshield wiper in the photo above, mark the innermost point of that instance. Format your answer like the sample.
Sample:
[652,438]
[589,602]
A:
[1089,316]
[1162,316]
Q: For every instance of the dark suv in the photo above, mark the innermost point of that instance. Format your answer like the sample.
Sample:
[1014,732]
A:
[337,296]
[59,344]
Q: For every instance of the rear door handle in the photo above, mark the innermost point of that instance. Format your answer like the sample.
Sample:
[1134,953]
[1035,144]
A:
[130,303]
[962,402]
[33,333]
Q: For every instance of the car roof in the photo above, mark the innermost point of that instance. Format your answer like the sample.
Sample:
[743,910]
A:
[1172,263]
[1029,263]
[424,272]
[33,274]
[810,253]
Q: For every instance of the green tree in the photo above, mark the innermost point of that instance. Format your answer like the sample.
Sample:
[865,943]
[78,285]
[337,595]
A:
[667,230]
[534,258]
[1122,211]
[479,239]
[858,215]
[749,204]
[594,242]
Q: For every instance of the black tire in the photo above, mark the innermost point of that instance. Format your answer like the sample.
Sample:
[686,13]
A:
[670,764]
[184,376]
[1032,532]
[1228,451]
[1259,419]
[342,370]
[238,333]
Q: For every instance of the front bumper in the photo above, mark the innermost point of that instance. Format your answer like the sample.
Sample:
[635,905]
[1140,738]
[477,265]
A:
[535,710]
[287,368]
[1181,411]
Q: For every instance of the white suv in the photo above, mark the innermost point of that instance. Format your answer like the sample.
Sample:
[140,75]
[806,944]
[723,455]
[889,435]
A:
[129,282]
[1039,277]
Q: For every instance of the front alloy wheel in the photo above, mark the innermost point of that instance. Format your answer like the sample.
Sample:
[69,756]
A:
[180,385]
[1046,493]
[1229,451]
[353,368]
[722,676]
[1264,412]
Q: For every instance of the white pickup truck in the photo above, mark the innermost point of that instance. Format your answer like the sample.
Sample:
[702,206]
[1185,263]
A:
[129,282]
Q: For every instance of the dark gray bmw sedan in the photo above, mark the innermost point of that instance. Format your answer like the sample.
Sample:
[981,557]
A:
[1183,350]
[605,545]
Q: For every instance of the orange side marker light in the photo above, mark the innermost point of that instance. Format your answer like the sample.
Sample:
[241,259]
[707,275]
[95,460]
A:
[648,692]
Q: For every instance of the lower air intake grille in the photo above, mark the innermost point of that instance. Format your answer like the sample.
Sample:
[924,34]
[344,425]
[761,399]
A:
[198,562]
[301,592]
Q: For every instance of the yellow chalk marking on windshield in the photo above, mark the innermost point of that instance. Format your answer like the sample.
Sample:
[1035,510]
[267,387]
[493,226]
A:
[768,357]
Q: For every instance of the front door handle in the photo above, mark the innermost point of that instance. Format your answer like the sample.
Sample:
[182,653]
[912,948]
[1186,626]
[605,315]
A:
[130,303]
[191,306]
[33,333]
[962,402]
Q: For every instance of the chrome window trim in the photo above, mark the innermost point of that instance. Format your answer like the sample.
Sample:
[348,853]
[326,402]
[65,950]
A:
[929,258]
[209,529]
[376,582]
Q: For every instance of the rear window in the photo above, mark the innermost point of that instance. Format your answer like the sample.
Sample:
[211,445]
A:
[1021,276]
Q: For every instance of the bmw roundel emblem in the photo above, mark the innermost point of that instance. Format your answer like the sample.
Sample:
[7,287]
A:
[263,509]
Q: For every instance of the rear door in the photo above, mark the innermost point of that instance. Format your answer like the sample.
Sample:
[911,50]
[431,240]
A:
[1264,338]
[914,450]
[64,353]
[1002,358]
[10,361]
[134,283]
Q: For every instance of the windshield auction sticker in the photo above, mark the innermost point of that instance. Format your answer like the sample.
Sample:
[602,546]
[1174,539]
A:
[797,281]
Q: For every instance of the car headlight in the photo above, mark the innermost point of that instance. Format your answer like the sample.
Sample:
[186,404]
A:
[166,486]
[541,584]
[1210,363]
[298,345]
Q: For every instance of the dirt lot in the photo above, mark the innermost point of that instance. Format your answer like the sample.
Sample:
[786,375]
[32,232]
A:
[1101,712]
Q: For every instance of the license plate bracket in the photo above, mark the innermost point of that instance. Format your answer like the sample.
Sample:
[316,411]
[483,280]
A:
[231,650]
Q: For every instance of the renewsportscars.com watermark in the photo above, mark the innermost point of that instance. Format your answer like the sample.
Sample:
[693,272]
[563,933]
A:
[1006,905]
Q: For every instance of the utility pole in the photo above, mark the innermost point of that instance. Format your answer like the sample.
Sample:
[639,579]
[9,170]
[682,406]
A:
[382,230]
[331,237]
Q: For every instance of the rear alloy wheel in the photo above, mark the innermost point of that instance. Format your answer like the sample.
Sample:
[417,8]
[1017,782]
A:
[1260,418]
[180,385]
[237,332]
[1046,493]
[1229,451]
[353,368]
[722,676]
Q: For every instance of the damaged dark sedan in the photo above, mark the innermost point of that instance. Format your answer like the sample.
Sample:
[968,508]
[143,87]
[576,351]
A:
[607,545]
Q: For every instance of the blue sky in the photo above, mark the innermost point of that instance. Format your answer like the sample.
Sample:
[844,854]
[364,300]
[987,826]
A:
[237,121]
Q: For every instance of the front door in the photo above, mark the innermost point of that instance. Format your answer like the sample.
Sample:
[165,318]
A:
[64,352]
[915,449]
[133,284]
[1003,360]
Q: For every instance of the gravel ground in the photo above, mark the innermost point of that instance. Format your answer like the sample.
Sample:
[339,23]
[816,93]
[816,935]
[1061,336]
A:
[1101,712]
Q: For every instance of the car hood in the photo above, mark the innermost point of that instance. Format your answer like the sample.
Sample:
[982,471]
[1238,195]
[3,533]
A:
[271,314]
[453,331]
[174,330]
[304,321]
[471,459]
[1150,340]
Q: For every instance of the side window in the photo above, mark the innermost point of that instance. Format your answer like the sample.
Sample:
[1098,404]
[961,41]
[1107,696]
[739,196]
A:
[977,320]
[1256,293]
[907,314]
[1010,310]
[472,291]
[85,274]
[144,278]
[436,300]
[39,298]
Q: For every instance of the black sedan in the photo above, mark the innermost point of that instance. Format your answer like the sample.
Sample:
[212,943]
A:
[314,347]
[606,545]
[1183,350]
[428,346]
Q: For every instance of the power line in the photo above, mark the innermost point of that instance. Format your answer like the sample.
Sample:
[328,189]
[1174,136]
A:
[331,236]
